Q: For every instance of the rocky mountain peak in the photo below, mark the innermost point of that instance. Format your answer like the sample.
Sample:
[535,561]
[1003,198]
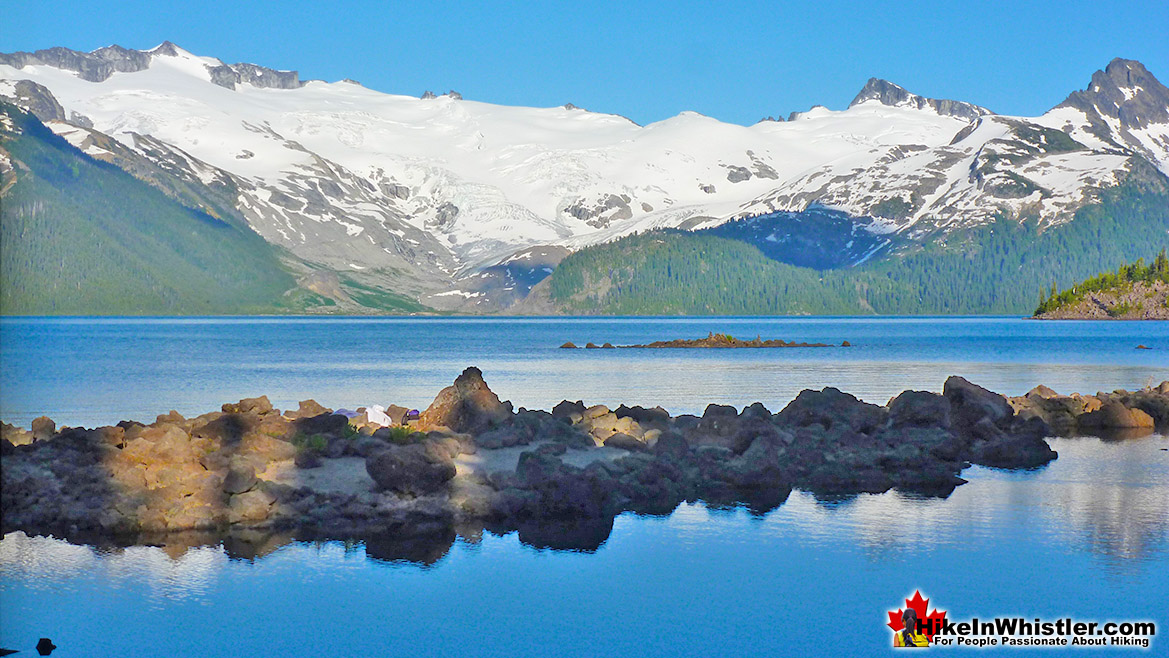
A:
[887,93]
[166,48]
[100,64]
[1125,90]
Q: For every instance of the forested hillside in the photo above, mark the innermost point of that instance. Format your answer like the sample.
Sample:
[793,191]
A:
[1001,268]
[80,236]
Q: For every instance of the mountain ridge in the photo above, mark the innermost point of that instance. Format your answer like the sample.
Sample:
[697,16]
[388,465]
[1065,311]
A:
[434,197]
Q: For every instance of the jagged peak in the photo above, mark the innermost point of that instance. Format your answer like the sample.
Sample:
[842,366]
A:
[167,48]
[894,95]
[1126,91]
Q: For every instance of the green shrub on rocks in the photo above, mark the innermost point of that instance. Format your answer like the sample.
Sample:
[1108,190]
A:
[314,442]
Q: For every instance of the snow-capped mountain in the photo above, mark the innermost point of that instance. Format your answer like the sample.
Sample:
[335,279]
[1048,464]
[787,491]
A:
[437,196]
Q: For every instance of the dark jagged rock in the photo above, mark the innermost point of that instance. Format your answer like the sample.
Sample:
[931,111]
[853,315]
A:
[1125,91]
[37,99]
[919,409]
[830,407]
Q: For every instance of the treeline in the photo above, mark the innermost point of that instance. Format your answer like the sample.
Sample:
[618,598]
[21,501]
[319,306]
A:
[673,272]
[1125,275]
[999,268]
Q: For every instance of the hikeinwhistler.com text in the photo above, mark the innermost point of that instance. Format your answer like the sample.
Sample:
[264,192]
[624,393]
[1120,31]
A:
[1019,632]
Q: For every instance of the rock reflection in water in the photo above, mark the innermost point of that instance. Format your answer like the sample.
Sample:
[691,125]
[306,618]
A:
[1110,497]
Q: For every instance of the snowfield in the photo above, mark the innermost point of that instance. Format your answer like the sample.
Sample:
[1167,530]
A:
[356,179]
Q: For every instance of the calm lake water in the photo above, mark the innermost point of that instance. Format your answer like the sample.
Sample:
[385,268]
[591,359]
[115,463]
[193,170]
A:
[85,371]
[1086,537]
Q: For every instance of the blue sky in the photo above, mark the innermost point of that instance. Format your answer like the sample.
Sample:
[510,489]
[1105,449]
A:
[736,61]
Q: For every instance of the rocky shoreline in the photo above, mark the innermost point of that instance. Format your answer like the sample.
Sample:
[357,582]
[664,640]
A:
[470,461]
[1135,301]
[712,340]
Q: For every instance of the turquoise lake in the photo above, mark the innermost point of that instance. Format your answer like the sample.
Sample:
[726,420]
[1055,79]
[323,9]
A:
[1086,536]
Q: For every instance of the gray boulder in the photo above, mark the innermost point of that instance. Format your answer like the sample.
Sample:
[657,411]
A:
[970,403]
[830,408]
[416,469]
[919,409]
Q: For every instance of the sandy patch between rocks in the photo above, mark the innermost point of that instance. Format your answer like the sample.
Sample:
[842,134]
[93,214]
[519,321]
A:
[495,460]
[342,475]
[347,475]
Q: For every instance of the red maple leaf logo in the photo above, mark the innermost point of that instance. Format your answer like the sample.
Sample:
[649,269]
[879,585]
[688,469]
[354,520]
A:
[919,605]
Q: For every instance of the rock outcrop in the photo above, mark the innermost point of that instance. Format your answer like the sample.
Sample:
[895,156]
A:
[1070,415]
[712,340]
[471,460]
[466,406]
[887,93]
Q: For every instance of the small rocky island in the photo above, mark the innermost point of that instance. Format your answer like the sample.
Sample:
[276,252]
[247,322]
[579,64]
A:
[1135,291]
[472,461]
[712,340]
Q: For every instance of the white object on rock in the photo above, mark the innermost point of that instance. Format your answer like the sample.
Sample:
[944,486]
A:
[377,415]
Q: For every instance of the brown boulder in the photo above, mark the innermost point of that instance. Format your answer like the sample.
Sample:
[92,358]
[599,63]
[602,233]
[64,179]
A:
[250,506]
[170,444]
[308,409]
[1042,392]
[625,442]
[1115,414]
[468,406]
[171,416]
[43,428]
[15,435]
[259,405]
[266,448]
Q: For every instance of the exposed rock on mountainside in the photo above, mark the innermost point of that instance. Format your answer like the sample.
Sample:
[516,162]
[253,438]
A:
[250,466]
[1122,104]
[887,93]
